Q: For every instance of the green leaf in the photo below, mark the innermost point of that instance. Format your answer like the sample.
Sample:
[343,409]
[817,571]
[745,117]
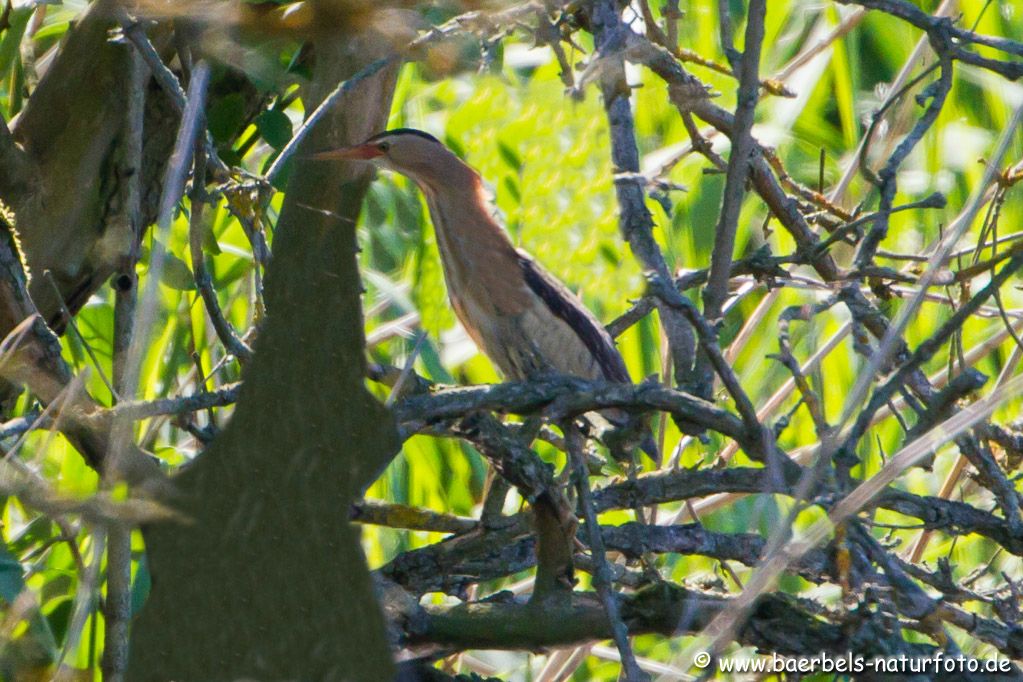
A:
[140,586]
[224,276]
[230,156]
[509,156]
[494,58]
[51,32]
[612,468]
[434,367]
[275,127]
[176,274]
[12,37]
[12,576]
[58,616]
[209,242]
[226,116]
[38,530]
[609,253]
[512,187]
[209,238]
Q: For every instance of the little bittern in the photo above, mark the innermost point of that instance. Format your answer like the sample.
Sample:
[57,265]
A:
[522,317]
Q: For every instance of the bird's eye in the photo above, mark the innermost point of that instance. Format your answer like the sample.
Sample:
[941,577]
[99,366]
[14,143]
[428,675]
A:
[384,146]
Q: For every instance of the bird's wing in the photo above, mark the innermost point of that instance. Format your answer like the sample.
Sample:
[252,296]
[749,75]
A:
[583,326]
[573,342]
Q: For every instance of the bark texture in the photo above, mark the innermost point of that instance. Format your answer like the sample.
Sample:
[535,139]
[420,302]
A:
[267,579]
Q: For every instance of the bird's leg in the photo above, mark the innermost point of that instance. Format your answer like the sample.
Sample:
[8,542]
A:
[555,526]
[497,487]
[493,499]
[555,544]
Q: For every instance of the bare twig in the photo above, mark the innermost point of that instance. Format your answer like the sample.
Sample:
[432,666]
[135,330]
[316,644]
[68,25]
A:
[134,30]
[173,189]
[117,606]
[748,69]
[134,410]
[716,291]
[601,577]
[203,279]
[635,220]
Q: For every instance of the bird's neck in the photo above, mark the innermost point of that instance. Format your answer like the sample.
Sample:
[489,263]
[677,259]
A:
[468,236]
[481,266]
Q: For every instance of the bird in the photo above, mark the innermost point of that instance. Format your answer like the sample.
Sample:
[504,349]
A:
[519,315]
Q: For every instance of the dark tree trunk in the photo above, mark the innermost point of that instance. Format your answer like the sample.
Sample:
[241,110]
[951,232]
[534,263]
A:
[266,579]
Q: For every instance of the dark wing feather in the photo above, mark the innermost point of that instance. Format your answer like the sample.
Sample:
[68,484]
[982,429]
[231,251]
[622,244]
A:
[404,131]
[567,307]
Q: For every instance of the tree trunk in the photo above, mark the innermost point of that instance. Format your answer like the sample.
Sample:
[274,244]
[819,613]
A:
[266,579]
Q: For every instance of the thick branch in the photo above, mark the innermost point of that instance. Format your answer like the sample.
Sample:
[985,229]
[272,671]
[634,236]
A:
[776,624]
[565,396]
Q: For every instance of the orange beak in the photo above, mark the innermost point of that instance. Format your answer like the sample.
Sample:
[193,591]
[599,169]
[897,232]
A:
[358,151]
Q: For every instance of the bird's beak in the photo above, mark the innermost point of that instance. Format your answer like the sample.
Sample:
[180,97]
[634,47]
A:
[358,151]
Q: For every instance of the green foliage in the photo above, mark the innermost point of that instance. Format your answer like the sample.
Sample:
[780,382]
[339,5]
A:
[226,117]
[12,581]
[275,127]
